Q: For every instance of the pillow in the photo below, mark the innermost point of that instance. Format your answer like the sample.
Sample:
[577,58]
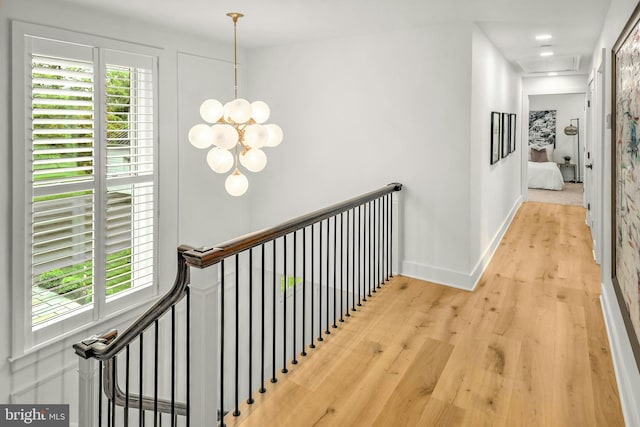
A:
[539,156]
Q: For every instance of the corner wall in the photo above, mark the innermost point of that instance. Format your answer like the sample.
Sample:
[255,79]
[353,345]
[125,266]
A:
[495,189]
[361,112]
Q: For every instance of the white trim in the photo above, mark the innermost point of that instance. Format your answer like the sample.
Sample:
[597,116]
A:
[626,370]
[15,394]
[457,279]
[25,339]
[484,260]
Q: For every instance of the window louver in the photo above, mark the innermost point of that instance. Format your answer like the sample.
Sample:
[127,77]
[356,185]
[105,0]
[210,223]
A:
[93,184]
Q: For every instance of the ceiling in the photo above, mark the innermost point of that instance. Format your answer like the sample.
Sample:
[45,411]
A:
[510,24]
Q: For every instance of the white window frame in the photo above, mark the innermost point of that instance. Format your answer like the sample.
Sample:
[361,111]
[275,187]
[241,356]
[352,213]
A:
[25,337]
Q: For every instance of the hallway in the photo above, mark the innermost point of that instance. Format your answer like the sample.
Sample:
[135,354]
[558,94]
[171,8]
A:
[527,347]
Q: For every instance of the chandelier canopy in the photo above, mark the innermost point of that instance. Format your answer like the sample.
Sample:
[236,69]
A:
[238,133]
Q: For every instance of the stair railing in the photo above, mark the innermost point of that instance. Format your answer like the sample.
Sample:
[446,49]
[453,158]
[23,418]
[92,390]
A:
[338,255]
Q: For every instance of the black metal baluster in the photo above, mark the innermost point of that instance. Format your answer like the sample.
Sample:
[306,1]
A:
[354,261]
[126,387]
[262,377]
[273,309]
[360,257]
[173,365]
[320,284]
[371,253]
[284,307]
[236,411]
[250,399]
[379,240]
[112,403]
[348,264]
[335,267]
[313,291]
[304,292]
[155,374]
[295,303]
[365,265]
[141,366]
[391,237]
[188,361]
[100,368]
[342,266]
[385,232]
[222,292]
[327,331]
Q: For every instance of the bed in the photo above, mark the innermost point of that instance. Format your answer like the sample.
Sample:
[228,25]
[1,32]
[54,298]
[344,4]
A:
[543,171]
[545,175]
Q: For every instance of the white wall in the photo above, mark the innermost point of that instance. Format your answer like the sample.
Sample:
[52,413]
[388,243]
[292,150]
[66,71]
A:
[626,370]
[365,111]
[567,106]
[495,189]
[190,195]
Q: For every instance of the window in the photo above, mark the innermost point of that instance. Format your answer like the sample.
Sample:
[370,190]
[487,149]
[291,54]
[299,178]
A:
[90,164]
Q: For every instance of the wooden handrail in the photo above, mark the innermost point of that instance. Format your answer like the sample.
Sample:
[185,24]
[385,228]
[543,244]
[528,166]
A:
[107,345]
[208,256]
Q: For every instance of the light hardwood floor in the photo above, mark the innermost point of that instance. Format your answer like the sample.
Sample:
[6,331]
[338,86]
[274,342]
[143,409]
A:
[528,347]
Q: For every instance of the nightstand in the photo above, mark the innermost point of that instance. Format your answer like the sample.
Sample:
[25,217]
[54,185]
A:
[571,166]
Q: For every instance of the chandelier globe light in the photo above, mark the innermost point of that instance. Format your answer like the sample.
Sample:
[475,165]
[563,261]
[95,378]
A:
[237,133]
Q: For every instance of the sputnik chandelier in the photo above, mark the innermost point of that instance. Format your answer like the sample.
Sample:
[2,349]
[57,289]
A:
[238,127]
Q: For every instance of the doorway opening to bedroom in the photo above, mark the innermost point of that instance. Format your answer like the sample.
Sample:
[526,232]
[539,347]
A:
[556,138]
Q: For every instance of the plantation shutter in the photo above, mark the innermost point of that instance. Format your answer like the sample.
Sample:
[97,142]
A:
[130,166]
[63,180]
[92,178]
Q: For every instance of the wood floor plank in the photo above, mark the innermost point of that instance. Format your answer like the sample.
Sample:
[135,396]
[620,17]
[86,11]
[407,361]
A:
[527,347]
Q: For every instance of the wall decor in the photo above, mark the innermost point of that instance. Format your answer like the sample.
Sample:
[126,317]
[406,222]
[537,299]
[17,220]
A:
[512,132]
[625,179]
[495,137]
[504,135]
[542,127]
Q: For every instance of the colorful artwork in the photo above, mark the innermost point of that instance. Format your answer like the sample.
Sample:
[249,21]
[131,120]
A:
[627,174]
[542,127]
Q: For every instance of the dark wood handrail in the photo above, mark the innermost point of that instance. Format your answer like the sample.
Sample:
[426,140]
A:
[105,346]
[208,256]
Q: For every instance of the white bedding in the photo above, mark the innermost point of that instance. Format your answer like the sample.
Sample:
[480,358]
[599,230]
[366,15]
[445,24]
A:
[545,175]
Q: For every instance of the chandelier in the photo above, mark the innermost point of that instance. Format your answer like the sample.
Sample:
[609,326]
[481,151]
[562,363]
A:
[238,133]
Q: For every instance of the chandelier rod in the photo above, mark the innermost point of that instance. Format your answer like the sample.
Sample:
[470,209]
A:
[235,16]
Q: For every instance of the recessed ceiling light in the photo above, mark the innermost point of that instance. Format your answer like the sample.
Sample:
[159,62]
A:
[546,53]
[551,74]
[544,37]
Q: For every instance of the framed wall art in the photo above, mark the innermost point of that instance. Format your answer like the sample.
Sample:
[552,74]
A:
[542,127]
[512,132]
[625,179]
[504,135]
[495,137]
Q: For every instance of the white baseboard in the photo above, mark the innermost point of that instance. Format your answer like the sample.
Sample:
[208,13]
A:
[440,276]
[457,279]
[484,260]
[627,375]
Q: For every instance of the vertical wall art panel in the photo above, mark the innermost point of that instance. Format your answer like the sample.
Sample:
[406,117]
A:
[504,135]
[495,137]
[512,132]
[542,127]
[625,190]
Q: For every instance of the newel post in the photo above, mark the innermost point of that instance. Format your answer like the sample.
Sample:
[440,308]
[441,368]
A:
[204,347]
[88,371]
[396,230]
